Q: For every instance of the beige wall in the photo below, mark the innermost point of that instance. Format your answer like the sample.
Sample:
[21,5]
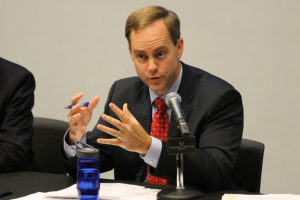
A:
[79,46]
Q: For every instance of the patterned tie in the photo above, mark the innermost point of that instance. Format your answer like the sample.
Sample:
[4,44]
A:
[160,130]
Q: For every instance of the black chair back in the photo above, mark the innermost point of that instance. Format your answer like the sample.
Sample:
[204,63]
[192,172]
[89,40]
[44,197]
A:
[46,143]
[249,165]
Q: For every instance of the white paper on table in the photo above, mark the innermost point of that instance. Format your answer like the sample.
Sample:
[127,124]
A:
[37,195]
[108,191]
[261,197]
[121,191]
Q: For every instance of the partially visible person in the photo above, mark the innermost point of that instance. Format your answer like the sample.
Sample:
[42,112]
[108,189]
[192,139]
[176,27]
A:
[17,86]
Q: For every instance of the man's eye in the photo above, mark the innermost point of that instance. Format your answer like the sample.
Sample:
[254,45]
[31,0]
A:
[141,56]
[160,54]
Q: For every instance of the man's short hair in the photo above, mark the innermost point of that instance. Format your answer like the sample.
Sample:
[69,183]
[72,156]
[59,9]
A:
[143,17]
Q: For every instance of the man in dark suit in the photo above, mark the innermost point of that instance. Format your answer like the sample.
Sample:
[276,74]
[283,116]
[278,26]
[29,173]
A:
[213,110]
[17,86]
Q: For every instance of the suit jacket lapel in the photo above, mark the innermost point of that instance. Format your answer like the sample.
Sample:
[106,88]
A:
[185,90]
[142,109]
[141,112]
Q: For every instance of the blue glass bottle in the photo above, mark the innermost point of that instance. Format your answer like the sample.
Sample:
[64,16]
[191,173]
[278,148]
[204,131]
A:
[88,175]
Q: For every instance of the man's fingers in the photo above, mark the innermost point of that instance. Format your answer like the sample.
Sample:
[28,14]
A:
[126,110]
[76,98]
[108,130]
[115,142]
[93,103]
[118,112]
[113,121]
[74,119]
[75,109]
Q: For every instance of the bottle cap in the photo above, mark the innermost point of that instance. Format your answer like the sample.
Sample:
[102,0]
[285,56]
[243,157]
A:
[84,150]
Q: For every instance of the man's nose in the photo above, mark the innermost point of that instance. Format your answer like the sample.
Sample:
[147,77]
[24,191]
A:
[152,66]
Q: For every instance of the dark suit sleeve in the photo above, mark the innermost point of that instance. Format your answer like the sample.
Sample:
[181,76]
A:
[16,127]
[218,135]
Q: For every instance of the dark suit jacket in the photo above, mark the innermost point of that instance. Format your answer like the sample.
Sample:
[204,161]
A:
[16,101]
[214,113]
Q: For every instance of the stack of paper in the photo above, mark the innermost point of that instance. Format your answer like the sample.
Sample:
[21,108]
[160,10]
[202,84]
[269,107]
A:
[261,197]
[108,191]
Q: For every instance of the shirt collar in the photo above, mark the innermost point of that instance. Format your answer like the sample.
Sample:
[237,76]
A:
[174,88]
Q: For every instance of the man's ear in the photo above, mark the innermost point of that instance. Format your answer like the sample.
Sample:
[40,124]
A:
[129,49]
[179,47]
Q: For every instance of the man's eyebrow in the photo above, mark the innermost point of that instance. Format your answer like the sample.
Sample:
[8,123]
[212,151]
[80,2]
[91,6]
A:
[160,48]
[136,51]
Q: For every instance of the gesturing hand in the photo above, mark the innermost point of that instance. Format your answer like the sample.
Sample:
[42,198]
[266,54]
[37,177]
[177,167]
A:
[79,118]
[130,136]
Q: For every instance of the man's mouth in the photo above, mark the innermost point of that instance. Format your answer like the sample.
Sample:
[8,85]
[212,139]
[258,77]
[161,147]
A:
[155,80]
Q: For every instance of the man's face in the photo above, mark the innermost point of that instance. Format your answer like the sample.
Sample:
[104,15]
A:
[155,56]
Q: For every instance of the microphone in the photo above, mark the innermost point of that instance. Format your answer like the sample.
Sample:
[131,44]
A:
[173,101]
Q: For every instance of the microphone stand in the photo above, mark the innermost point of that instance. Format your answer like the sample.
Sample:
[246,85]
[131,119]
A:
[180,145]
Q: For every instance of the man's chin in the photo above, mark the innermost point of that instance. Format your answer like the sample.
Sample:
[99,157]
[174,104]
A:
[157,90]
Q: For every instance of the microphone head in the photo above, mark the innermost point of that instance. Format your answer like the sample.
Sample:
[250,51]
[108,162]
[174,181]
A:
[172,95]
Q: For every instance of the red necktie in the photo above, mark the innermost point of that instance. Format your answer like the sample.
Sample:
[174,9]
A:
[160,130]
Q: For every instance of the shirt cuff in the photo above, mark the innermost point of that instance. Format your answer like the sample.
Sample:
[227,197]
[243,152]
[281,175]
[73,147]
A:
[70,150]
[153,154]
